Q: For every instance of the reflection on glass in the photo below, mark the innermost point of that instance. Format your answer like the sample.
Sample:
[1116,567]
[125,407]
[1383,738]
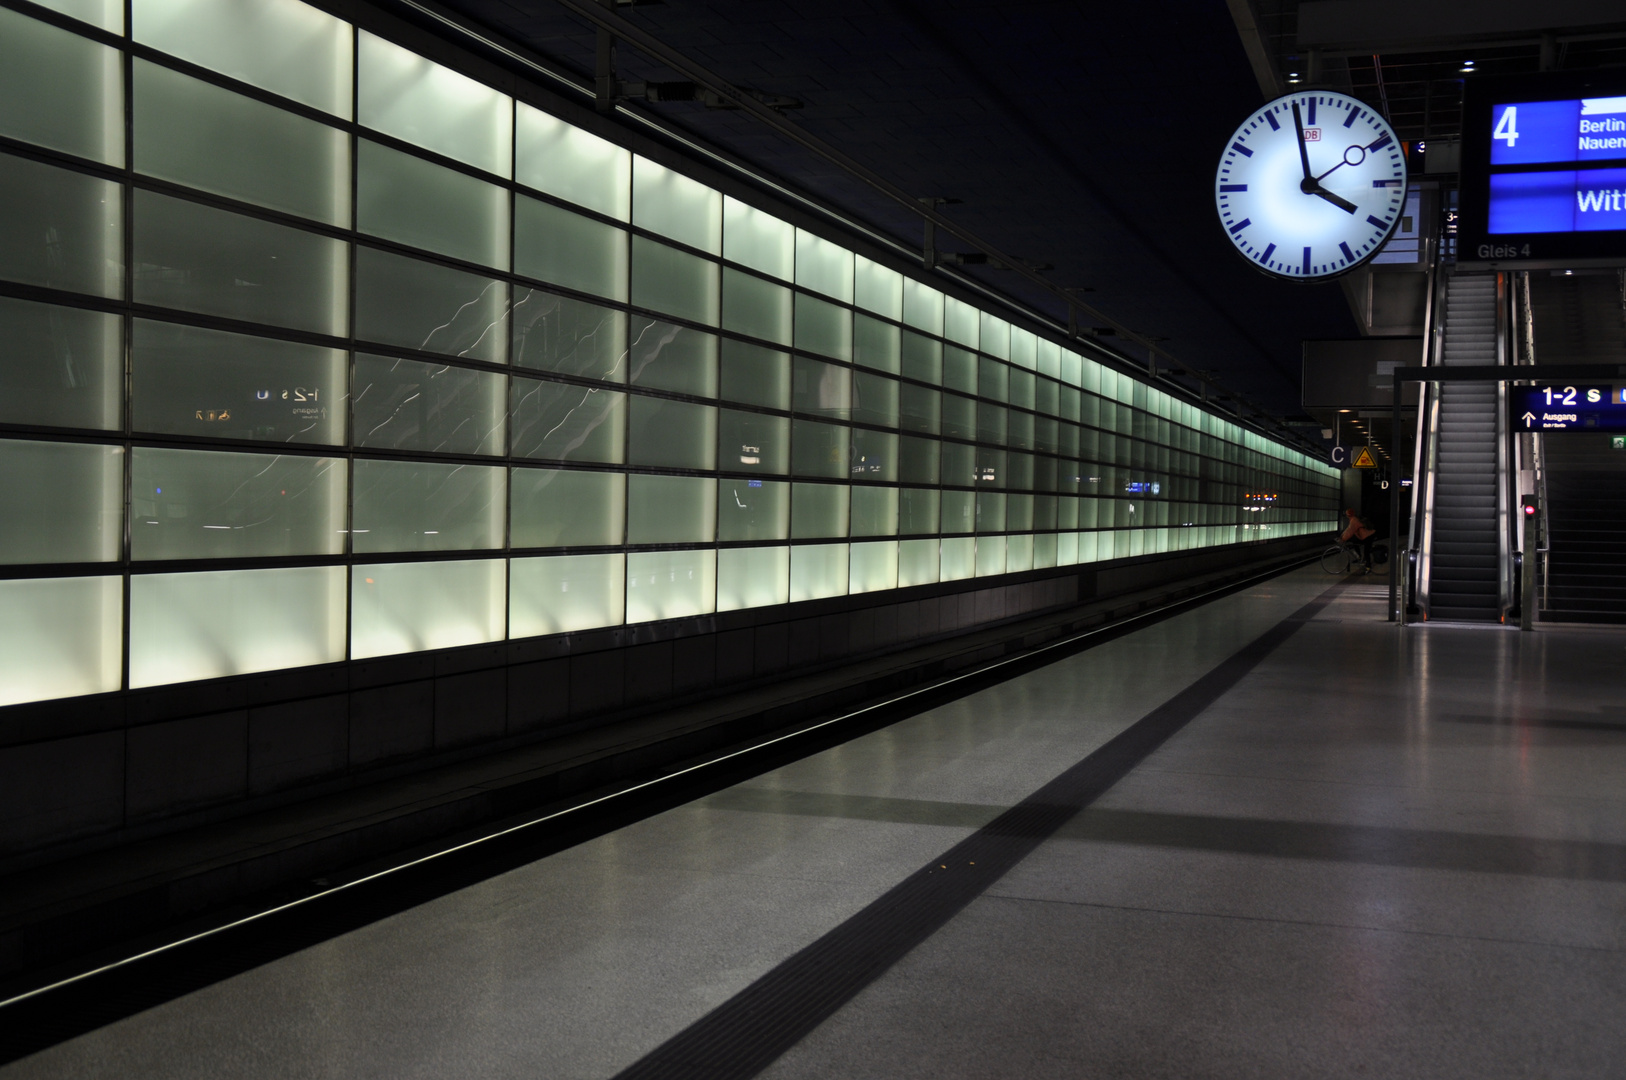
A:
[875,399]
[413,405]
[874,455]
[752,442]
[669,357]
[555,333]
[59,229]
[821,389]
[567,422]
[753,510]
[209,504]
[426,506]
[419,305]
[562,593]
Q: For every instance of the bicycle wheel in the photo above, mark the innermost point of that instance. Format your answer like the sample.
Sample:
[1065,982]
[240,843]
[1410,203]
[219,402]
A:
[1336,559]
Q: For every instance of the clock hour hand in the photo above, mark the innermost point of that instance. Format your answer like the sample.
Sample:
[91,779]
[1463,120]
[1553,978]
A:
[1337,200]
[1304,154]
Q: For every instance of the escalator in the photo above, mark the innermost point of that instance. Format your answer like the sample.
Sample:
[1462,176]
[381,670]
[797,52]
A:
[1580,318]
[1463,552]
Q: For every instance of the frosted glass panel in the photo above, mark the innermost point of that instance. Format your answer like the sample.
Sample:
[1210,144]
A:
[961,322]
[415,202]
[674,206]
[569,163]
[1067,549]
[60,90]
[1018,553]
[1022,388]
[917,562]
[63,502]
[566,422]
[823,266]
[107,14]
[1024,347]
[822,389]
[1047,358]
[959,509]
[554,333]
[990,555]
[873,566]
[61,637]
[190,381]
[875,399]
[959,464]
[558,594]
[410,607]
[554,245]
[922,307]
[670,584]
[420,305]
[874,455]
[755,375]
[753,510]
[200,135]
[752,442]
[823,328]
[993,379]
[283,46]
[59,229]
[990,511]
[922,358]
[426,506]
[958,559]
[877,289]
[233,622]
[673,434]
[62,366]
[197,258]
[819,449]
[418,101]
[671,509]
[675,282]
[757,239]
[555,508]
[876,344]
[208,504]
[917,511]
[752,577]
[918,460]
[874,511]
[756,308]
[959,370]
[817,571]
[665,356]
[818,510]
[434,408]
[919,409]
[996,336]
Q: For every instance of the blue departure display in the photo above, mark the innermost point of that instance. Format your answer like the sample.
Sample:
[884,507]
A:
[1586,134]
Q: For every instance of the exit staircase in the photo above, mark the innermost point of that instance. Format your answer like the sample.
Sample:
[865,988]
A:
[1464,581]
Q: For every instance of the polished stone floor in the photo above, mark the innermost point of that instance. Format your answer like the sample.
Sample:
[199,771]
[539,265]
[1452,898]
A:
[1382,853]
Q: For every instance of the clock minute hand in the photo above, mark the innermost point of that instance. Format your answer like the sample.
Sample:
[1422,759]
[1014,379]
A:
[1304,154]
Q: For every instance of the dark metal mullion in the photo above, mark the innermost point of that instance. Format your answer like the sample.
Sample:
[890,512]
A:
[126,327]
[350,356]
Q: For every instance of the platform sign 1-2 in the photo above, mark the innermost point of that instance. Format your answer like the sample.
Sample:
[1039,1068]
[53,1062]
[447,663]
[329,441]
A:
[1567,408]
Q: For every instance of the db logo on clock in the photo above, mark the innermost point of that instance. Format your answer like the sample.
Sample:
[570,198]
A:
[1312,134]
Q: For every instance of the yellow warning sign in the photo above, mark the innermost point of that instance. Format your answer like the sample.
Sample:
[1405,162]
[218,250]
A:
[1363,460]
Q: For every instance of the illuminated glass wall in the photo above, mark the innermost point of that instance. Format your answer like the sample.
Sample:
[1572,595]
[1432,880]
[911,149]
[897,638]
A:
[313,349]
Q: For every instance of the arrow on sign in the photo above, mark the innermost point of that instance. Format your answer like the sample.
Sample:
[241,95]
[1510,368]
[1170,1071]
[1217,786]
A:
[1528,418]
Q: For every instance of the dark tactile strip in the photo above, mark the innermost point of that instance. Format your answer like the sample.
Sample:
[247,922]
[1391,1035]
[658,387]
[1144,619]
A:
[752,1029]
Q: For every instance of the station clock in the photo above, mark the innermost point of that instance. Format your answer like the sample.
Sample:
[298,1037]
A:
[1311,185]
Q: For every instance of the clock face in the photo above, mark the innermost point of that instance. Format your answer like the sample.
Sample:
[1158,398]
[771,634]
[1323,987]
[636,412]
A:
[1311,185]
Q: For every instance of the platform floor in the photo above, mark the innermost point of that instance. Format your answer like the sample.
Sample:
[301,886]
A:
[1380,853]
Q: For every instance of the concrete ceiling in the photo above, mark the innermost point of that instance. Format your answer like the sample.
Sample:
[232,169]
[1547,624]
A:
[1083,136]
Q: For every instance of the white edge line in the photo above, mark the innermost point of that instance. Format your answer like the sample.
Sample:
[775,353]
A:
[950,681]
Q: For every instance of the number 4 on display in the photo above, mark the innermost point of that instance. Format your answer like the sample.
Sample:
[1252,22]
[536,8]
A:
[1507,126]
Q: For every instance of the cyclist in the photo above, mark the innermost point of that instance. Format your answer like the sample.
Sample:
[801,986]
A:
[1359,532]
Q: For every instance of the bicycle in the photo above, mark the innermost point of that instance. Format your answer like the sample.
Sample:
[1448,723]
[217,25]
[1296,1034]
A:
[1341,556]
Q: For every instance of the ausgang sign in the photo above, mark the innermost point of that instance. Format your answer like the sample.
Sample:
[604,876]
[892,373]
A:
[1567,408]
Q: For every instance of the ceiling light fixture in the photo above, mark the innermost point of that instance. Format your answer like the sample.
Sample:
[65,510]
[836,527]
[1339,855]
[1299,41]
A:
[1467,67]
